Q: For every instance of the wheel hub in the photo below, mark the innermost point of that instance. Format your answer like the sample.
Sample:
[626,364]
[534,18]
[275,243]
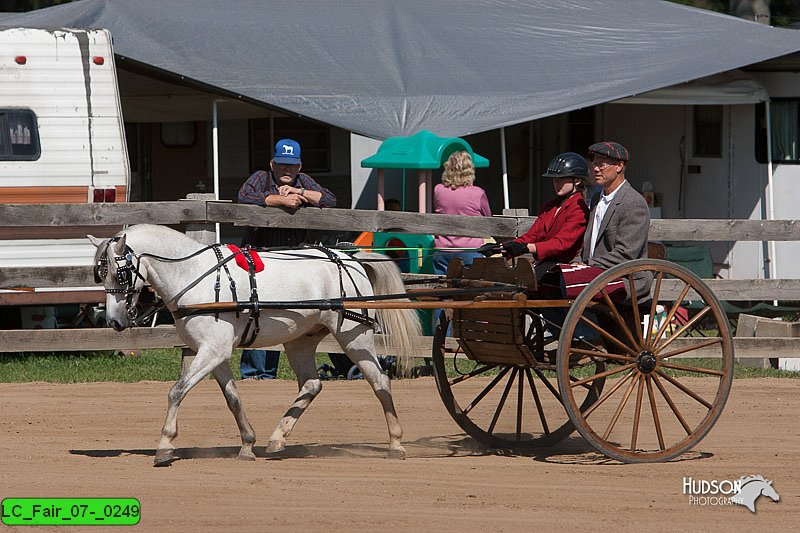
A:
[646,362]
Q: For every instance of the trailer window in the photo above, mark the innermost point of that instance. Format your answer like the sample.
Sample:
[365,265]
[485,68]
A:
[19,135]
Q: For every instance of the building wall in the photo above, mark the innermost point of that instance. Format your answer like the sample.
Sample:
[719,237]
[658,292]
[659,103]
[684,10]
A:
[728,187]
[785,180]
[652,134]
[747,193]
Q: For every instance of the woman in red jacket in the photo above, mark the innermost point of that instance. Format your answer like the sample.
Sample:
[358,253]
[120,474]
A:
[557,237]
[557,234]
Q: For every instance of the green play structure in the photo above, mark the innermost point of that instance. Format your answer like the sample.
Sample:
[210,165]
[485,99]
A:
[423,151]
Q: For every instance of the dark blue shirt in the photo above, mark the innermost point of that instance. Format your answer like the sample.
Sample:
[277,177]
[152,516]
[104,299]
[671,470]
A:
[262,184]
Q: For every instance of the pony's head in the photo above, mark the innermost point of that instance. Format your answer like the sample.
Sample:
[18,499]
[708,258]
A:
[117,268]
[752,488]
[770,492]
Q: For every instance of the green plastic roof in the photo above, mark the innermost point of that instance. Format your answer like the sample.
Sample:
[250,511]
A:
[421,150]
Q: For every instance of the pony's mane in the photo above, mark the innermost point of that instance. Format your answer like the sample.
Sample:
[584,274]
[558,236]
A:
[135,229]
[161,234]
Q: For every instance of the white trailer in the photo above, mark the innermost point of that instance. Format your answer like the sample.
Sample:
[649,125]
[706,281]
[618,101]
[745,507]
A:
[62,139]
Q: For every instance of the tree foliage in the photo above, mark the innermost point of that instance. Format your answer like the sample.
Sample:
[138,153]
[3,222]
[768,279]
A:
[28,5]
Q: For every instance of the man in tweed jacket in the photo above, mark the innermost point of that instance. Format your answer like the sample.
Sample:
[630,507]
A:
[620,218]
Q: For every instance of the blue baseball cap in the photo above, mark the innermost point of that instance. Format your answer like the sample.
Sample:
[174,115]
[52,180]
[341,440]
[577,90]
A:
[287,152]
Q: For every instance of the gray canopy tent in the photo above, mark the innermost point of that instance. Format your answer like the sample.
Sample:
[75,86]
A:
[382,68]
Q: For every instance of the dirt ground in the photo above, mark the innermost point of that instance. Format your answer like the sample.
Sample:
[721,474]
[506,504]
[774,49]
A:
[97,440]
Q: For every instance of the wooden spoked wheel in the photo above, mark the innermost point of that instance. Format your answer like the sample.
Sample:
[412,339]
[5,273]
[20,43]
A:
[514,407]
[667,380]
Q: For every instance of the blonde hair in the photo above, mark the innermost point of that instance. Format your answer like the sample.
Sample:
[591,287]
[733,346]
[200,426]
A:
[459,171]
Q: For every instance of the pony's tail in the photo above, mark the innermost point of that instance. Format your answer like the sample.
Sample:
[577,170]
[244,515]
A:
[402,325]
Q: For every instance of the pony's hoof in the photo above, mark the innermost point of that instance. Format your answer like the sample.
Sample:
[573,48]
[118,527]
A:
[246,456]
[164,458]
[275,446]
[397,454]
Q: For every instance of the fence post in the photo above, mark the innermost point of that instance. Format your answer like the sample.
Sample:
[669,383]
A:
[205,233]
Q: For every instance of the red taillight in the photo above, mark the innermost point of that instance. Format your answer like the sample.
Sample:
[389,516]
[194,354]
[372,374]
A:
[97,60]
[21,60]
[100,196]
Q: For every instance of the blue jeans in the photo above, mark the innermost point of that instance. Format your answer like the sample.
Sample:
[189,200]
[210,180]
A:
[441,259]
[259,364]
[440,262]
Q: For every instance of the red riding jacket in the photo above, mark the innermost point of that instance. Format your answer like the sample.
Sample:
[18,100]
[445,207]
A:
[559,236]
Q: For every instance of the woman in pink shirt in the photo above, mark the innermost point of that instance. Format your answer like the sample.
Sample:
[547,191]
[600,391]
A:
[456,195]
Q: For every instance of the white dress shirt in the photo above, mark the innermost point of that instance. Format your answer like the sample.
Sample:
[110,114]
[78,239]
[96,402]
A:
[599,213]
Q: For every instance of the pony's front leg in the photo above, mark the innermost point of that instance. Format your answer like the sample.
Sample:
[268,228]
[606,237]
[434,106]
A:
[224,378]
[204,362]
[300,354]
[360,348]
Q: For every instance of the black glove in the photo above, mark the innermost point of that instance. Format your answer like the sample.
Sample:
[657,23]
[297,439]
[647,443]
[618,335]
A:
[489,249]
[514,248]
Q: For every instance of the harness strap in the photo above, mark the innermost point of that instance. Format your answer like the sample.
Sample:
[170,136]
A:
[363,317]
[128,271]
[219,271]
[224,265]
[254,309]
[185,289]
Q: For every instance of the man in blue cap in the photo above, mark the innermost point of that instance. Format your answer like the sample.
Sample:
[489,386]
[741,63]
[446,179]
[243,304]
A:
[281,186]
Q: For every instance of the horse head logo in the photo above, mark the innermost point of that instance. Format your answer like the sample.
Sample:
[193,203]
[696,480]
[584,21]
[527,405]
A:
[752,488]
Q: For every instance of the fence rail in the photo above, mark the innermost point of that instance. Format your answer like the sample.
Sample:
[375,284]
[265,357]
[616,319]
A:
[92,339]
[198,214]
[203,212]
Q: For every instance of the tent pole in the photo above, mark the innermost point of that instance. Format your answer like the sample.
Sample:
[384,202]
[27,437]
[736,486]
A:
[772,267]
[271,135]
[505,166]
[421,191]
[215,152]
[429,191]
[530,167]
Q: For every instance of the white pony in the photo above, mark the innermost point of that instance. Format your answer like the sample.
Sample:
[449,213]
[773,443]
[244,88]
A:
[142,254]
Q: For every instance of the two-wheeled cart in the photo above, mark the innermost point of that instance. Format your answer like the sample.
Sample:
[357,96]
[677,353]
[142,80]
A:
[641,378]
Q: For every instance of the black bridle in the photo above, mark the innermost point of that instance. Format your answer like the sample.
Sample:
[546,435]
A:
[126,273]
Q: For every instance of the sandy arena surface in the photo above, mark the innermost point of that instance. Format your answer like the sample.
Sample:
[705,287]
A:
[98,439]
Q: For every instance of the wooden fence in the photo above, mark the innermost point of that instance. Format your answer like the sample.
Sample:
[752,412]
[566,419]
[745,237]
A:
[200,215]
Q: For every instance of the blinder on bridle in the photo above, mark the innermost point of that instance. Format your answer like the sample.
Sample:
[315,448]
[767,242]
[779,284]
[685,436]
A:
[124,275]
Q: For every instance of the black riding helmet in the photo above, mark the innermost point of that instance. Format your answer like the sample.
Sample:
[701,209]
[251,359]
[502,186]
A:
[567,164]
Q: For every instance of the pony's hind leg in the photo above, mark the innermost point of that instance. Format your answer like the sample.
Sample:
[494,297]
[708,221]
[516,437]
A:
[300,354]
[361,350]
[207,359]
[224,377]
